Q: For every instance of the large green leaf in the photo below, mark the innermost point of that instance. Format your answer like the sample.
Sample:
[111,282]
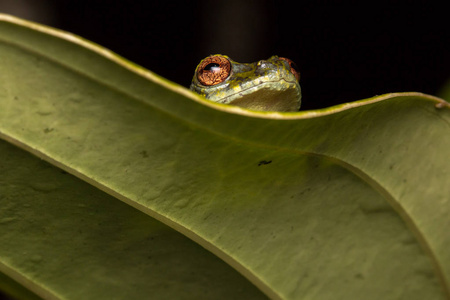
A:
[64,239]
[346,202]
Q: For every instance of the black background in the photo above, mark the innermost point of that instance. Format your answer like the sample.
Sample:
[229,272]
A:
[345,52]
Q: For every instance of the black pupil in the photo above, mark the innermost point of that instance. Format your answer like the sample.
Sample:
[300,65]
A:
[212,67]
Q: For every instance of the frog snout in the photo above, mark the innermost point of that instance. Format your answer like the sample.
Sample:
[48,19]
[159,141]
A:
[264,67]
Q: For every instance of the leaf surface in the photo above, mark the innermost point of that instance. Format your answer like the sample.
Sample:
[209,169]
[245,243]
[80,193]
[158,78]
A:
[346,202]
[64,239]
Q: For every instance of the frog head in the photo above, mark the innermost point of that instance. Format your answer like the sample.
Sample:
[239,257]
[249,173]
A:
[267,85]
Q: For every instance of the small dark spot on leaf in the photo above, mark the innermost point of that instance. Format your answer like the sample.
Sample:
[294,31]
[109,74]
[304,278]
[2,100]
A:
[44,113]
[359,276]
[47,130]
[264,162]
[375,208]
[409,241]
[75,100]
[144,153]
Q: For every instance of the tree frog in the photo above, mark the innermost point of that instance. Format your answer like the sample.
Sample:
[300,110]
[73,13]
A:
[267,85]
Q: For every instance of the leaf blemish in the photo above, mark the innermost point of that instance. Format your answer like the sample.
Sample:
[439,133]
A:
[264,162]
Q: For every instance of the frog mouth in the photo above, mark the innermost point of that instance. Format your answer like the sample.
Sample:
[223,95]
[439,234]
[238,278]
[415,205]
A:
[267,89]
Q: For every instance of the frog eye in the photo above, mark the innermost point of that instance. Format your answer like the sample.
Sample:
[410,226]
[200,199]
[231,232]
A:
[293,66]
[213,70]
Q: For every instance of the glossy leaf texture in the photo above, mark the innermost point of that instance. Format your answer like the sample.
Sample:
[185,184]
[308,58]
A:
[64,239]
[349,202]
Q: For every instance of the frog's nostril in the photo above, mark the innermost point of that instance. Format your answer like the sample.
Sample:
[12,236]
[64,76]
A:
[262,63]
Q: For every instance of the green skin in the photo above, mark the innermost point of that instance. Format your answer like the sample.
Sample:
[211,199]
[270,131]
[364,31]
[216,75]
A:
[267,85]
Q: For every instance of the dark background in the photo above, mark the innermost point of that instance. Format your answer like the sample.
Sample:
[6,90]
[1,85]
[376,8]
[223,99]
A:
[345,52]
